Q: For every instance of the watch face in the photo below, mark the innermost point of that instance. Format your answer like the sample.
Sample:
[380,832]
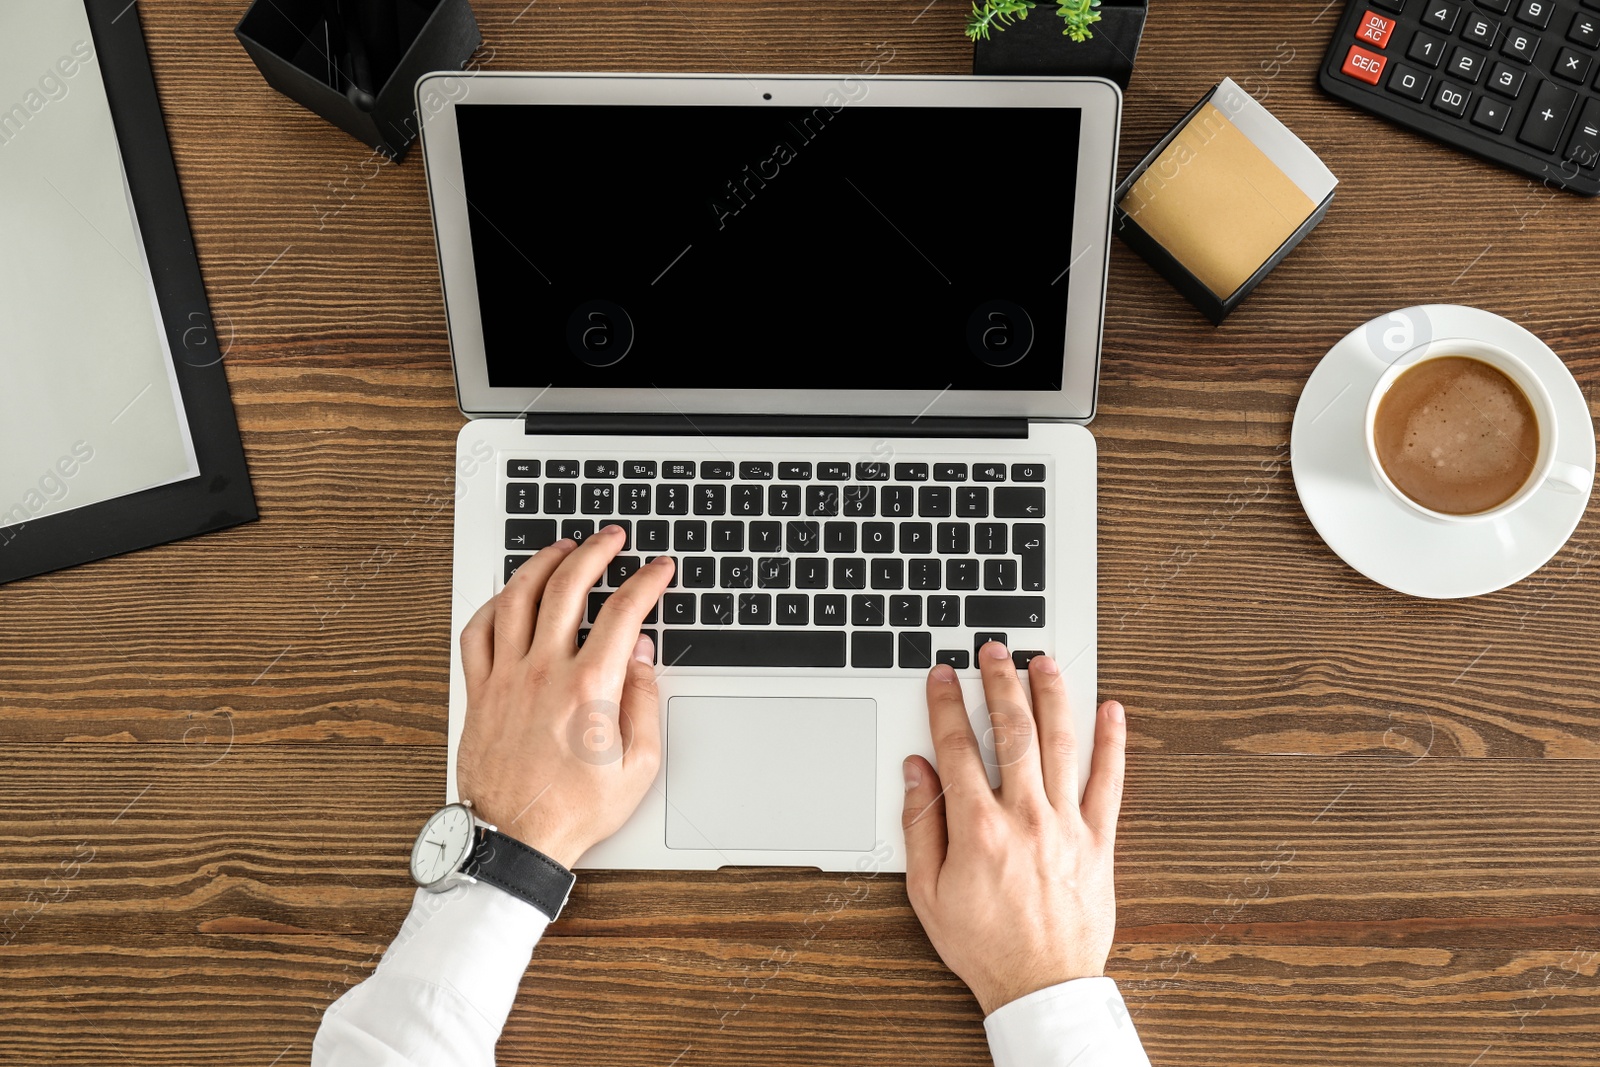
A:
[442,846]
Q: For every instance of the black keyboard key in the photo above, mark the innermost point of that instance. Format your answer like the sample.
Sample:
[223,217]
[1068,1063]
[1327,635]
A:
[1019,503]
[811,573]
[888,573]
[579,530]
[680,470]
[689,535]
[872,472]
[828,609]
[672,499]
[633,499]
[905,610]
[561,468]
[972,502]
[698,572]
[954,538]
[620,569]
[1450,99]
[1519,45]
[802,537]
[1029,539]
[871,650]
[822,500]
[738,572]
[727,537]
[1535,13]
[1466,65]
[1426,49]
[897,501]
[866,609]
[794,472]
[1012,612]
[988,472]
[1573,66]
[933,501]
[916,650]
[783,499]
[1584,148]
[944,611]
[1585,30]
[1441,15]
[560,498]
[1491,114]
[752,648]
[923,573]
[756,471]
[512,563]
[1481,30]
[1547,117]
[639,468]
[522,468]
[719,470]
[522,498]
[716,609]
[916,538]
[677,609]
[991,538]
[652,536]
[530,535]
[833,472]
[597,600]
[961,574]
[860,501]
[949,472]
[794,609]
[766,536]
[710,500]
[772,572]
[877,537]
[850,572]
[599,498]
[755,609]
[600,468]
[839,537]
[955,658]
[910,472]
[1027,472]
[745,500]
[1022,657]
[981,639]
[1000,575]
[1506,80]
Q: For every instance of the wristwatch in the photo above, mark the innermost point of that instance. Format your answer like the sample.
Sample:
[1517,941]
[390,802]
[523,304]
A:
[456,847]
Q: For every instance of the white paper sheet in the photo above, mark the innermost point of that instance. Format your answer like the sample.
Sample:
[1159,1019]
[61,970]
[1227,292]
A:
[89,402]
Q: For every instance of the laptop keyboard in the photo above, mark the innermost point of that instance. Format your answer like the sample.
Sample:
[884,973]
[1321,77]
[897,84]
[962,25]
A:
[823,563]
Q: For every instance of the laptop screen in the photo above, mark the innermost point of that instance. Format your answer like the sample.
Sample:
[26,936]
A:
[749,247]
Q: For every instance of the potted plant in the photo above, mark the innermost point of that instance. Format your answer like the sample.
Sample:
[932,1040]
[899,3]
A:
[1087,37]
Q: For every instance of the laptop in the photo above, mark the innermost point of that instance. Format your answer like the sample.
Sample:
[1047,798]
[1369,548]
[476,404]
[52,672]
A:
[830,342]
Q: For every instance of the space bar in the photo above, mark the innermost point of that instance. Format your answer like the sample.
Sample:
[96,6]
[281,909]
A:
[753,648]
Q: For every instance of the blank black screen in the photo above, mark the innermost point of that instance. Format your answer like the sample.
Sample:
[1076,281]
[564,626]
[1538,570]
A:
[759,247]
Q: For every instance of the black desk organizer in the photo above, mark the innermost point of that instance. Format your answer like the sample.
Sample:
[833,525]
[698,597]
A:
[300,54]
[221,495]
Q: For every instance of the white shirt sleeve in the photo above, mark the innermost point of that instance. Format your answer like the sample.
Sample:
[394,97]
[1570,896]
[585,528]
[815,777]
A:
[442,991]
[1082,1023]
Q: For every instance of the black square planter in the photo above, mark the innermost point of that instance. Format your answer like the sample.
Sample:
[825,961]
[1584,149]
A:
[1036,46]
[297,51]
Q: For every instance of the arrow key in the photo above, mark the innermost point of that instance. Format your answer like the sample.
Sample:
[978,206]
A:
[1017,502]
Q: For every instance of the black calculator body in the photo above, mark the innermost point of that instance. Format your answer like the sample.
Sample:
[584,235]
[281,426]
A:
[1514,81]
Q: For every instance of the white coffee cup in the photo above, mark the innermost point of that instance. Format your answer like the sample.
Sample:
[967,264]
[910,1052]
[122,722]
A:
[1547,470]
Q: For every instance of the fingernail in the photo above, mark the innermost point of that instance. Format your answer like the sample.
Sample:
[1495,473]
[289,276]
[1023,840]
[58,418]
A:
[995,650]
[1115,712]
[913,775]
[644,650]
[1044,665]
[944,673]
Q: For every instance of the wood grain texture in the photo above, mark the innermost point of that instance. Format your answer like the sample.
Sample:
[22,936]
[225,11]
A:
[1361,828]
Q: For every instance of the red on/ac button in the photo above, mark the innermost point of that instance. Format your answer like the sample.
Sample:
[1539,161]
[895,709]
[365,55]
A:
[1360,63]
[1375,29]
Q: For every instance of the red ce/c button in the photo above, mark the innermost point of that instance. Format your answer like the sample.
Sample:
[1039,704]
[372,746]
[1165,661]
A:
[1360,63]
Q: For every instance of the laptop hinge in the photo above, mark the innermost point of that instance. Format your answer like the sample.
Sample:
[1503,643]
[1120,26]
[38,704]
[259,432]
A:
[665,425]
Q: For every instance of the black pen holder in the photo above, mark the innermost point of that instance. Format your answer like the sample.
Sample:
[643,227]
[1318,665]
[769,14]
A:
[308,56]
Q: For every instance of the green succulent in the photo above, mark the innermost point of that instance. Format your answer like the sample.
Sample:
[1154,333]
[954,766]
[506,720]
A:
[993,15]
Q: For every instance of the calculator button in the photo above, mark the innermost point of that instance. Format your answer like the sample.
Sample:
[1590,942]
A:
[1397,6]
[1375,30]
[1520,45]
[1409,82]
[1499,7]
[1551,106]
[1426,48]
[1466,65]
[1451,100]
[1574,66]
[1481,31]
[1492,114]
[1585,30]
[1506,80]
[1536,13]
[1442,16]
[1584,149]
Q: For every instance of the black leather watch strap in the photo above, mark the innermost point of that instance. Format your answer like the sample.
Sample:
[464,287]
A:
[508,864]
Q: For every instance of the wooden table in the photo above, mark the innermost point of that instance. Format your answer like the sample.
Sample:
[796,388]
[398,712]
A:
[1360,828]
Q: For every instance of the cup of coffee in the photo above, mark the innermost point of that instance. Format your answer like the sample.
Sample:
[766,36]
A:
[1462,431]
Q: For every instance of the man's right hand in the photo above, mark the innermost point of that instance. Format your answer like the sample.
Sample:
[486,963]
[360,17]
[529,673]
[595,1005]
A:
[1014,885]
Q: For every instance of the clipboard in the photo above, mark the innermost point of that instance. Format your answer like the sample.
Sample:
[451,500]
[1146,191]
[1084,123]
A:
[221,495]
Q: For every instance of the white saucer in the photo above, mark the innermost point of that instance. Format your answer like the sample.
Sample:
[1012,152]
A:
[1379,536]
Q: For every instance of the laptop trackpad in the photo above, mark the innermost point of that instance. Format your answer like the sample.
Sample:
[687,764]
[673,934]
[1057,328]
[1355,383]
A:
[780,773]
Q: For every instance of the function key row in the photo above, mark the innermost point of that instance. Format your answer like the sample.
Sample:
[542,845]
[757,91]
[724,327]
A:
[764,471]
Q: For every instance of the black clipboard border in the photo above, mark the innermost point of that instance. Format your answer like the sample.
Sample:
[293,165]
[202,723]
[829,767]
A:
[221,495]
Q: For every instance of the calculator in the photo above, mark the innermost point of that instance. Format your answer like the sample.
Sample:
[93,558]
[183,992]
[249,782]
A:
[1516,82]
